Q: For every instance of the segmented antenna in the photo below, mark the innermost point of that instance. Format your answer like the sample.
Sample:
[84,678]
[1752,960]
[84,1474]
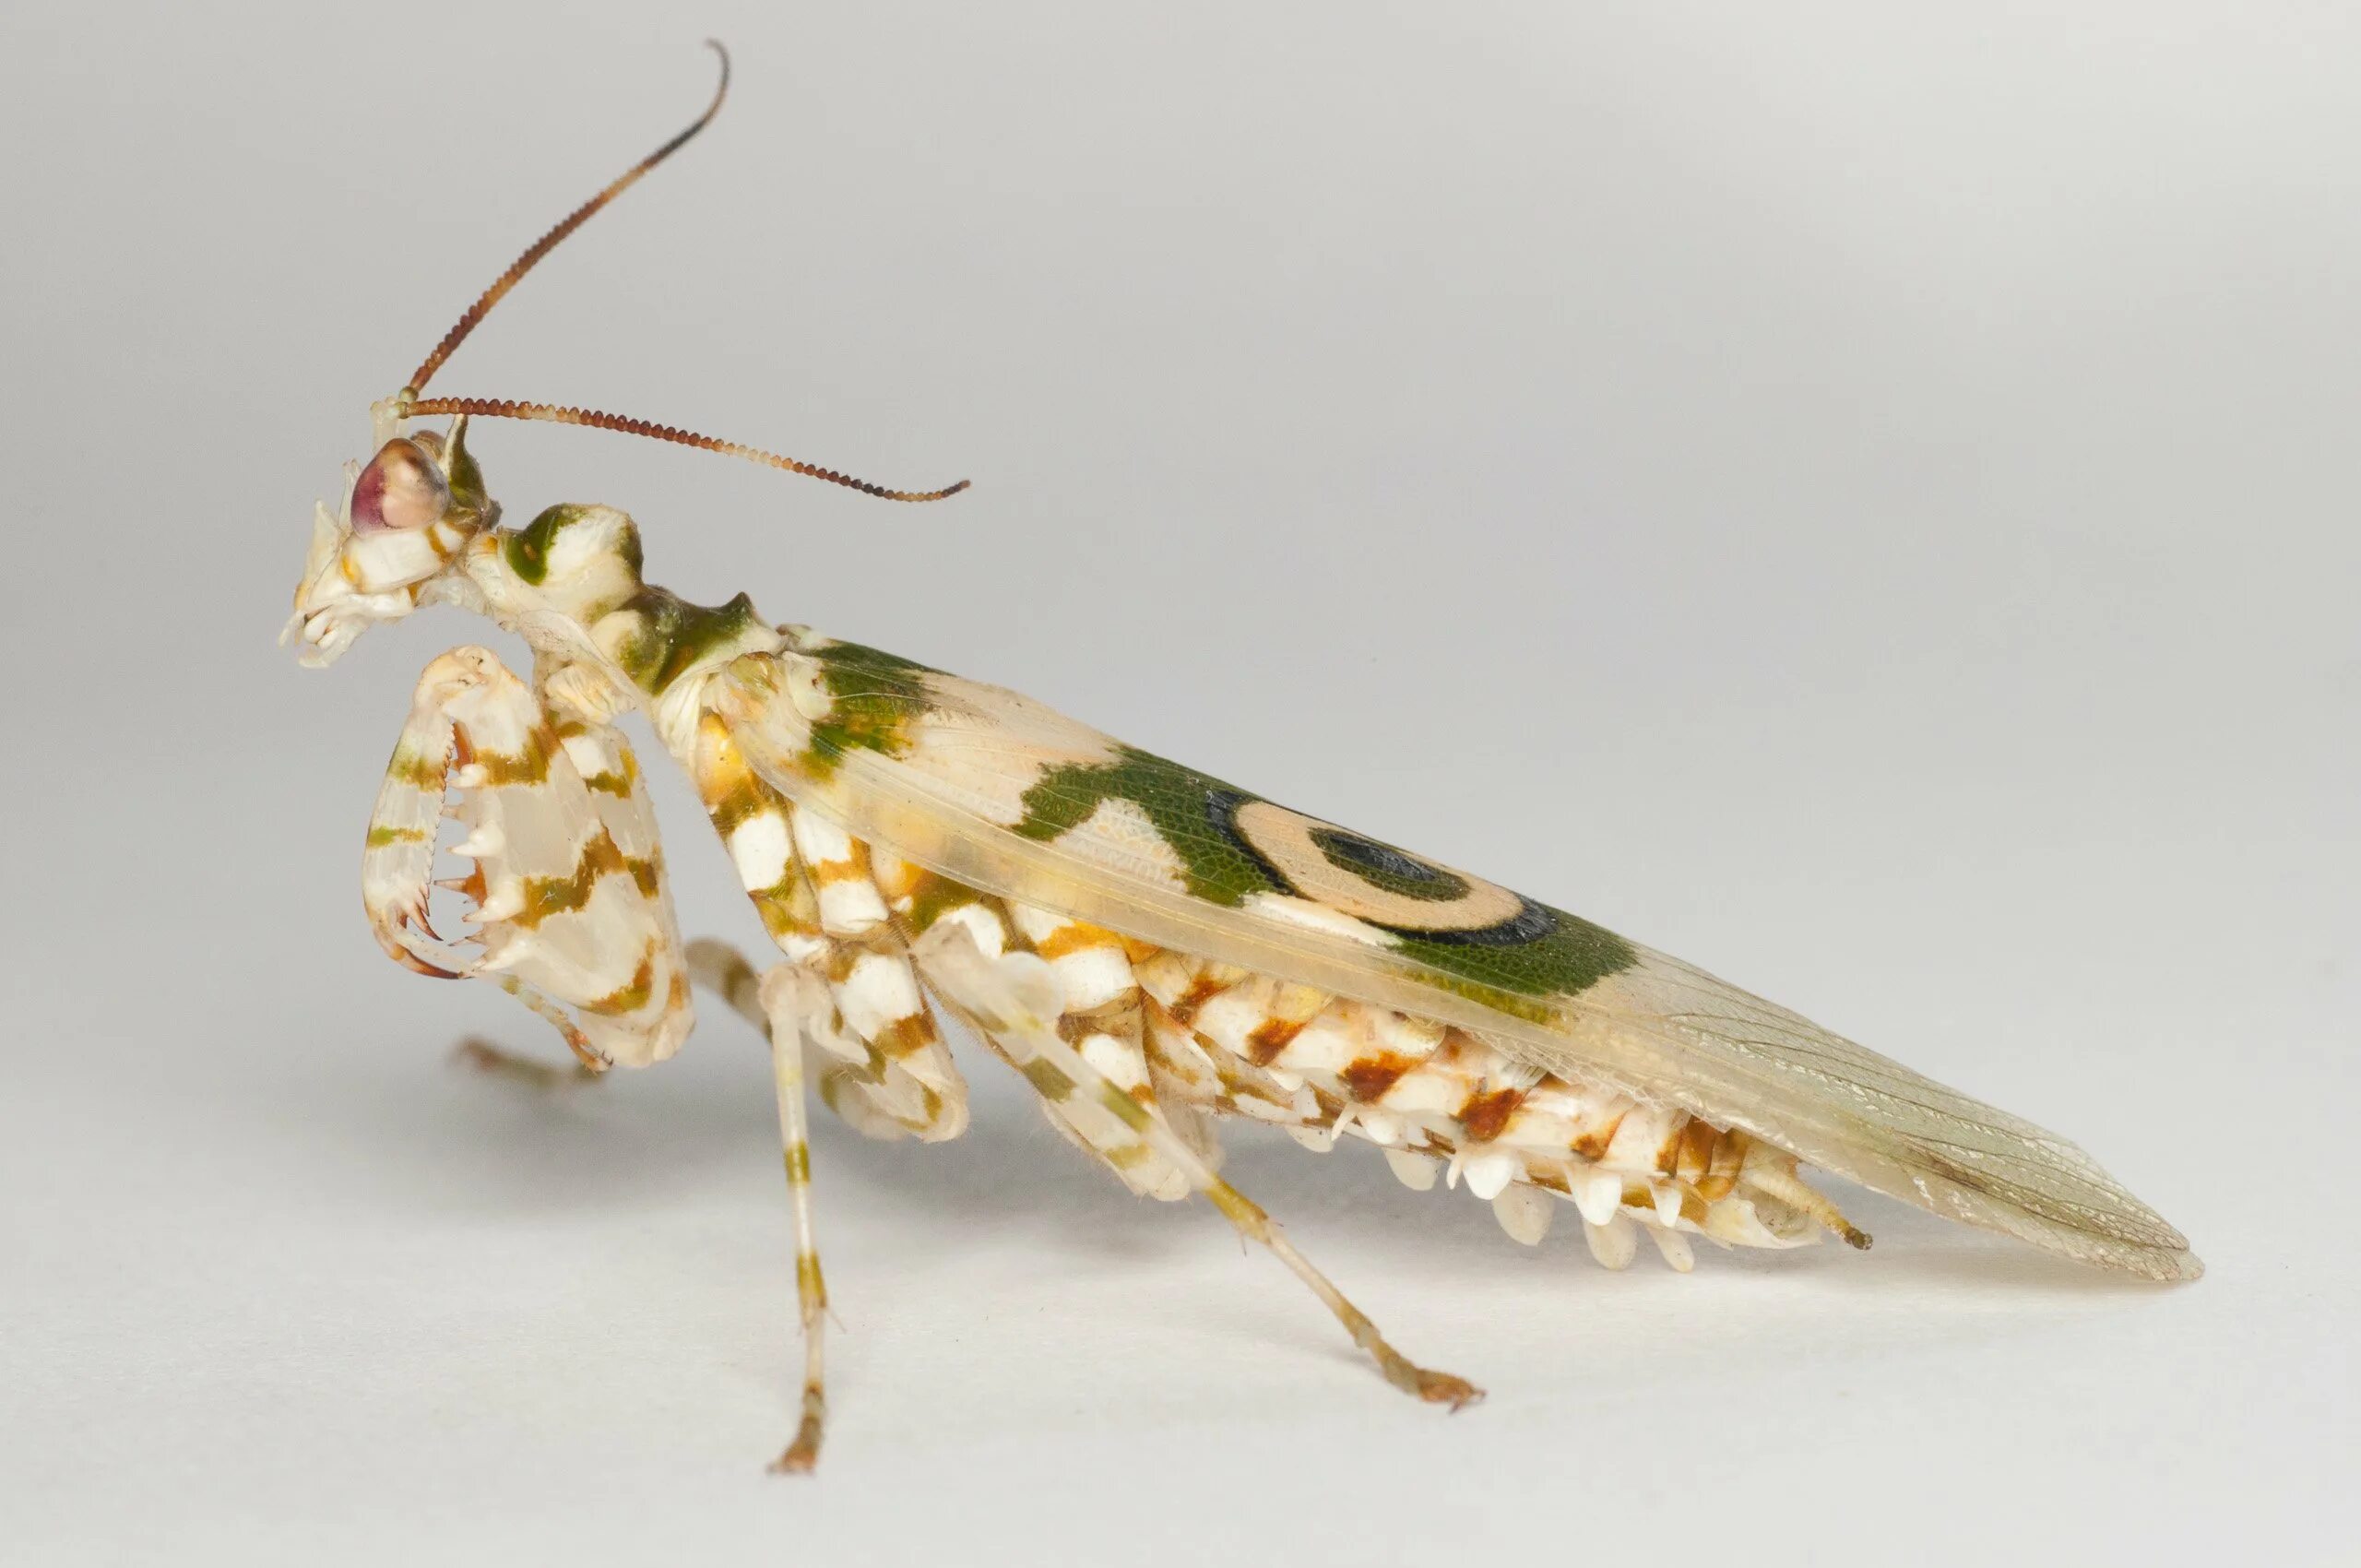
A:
[498,408]
[410,405]
[567,225]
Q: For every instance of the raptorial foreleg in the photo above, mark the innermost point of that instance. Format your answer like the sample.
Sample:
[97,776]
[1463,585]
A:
[567,884]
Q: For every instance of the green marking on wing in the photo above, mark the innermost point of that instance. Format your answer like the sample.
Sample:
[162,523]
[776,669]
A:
[846,662]
[874,700]
[1387,869]
[1174,798]
[1570,956]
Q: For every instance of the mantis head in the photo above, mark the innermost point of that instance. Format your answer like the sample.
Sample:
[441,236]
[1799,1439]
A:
[405,524]
[411,515]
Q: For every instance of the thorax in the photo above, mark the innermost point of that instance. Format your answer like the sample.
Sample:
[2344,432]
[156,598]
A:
[569,583]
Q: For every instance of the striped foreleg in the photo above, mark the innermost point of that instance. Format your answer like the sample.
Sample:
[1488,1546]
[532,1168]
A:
[566,885]
[1015,1000]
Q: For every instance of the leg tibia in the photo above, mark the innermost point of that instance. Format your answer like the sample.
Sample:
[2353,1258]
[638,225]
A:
[1015,1001]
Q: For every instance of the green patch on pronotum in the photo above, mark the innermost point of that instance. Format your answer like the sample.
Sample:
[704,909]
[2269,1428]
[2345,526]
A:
[528,550]
[675,636]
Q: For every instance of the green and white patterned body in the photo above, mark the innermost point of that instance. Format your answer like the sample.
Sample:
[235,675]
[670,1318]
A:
[1152,948]
[1295,971]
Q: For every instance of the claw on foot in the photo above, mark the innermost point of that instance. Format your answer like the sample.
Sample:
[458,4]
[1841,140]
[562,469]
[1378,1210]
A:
[1434,1388]
[803,1453]
[1441,1388]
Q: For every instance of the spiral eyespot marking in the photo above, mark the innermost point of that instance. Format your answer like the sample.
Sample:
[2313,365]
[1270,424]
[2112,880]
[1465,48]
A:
[1388,887]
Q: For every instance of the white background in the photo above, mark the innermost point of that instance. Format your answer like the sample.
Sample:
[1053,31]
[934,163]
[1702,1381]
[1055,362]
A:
[1858,496]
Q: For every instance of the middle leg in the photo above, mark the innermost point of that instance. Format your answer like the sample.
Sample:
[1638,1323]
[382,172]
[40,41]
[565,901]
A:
[791,999]
[789,1004]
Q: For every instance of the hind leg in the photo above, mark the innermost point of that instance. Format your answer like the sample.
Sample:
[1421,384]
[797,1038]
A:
[1016,1000]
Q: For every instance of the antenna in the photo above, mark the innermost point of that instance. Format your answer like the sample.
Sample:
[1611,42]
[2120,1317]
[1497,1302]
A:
[566,225]
[410,405]
[497,408]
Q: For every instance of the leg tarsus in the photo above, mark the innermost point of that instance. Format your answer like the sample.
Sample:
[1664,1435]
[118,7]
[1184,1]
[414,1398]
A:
[803,1455]
[1253,1224]
[811,1299]
[480,1054]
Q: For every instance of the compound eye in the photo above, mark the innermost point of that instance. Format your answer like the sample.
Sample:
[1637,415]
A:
[403,487]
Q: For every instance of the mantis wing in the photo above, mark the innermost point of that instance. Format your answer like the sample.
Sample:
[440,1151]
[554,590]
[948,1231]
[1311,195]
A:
[1002,793]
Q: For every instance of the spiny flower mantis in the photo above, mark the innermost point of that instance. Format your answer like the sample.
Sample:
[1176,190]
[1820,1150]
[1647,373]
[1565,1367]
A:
[1151,948]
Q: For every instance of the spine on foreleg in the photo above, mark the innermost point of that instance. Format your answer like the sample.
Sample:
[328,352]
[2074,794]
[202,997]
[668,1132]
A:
[567,881]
